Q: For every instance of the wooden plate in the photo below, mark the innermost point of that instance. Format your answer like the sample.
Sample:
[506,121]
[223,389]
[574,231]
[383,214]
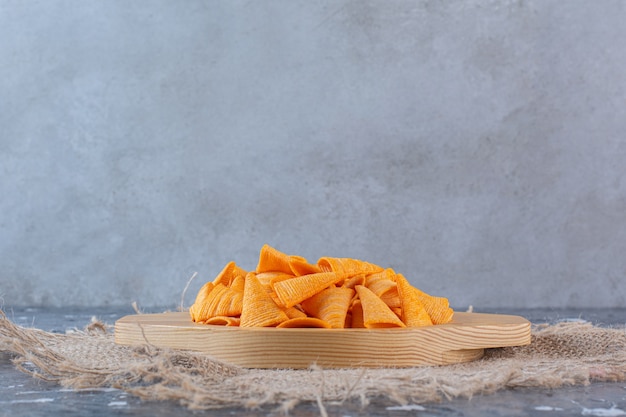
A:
[462,340]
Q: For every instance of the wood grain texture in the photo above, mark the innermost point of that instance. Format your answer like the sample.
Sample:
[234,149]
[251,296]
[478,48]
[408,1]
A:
[462,340]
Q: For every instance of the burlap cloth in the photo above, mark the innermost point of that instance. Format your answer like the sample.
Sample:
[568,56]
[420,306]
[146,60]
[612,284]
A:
[560,354]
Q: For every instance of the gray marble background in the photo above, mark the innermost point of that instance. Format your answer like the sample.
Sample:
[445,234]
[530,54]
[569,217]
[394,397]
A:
[476,146]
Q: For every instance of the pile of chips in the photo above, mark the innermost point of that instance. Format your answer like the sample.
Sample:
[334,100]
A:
[288,291]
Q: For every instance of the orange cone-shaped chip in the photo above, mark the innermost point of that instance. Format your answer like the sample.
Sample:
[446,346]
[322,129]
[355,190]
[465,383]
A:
[226,275]
[347,266]
[221,301]
[205,310]
[382,283]
[392,299]
[354,281]
[238,283]
[231,303]
[376,313]
[294,313]
[330,305]
[259,309]
[300,266]
[413,312]
[196,309]
[223,321]
[266,278]
[438,308]
[293,291]
[357,315]
[273,260]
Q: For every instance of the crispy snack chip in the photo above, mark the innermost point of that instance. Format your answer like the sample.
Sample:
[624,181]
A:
[293,291]
[438,308]
[376,313]
[266,278]
[238,283]
[300,266]
[413,313]
[353,281]
[230,271]
[220,301]
[347,266]
[196,309]
[382,283]
[330,305]
[357,315]
[223,321]
[294,313]
[259,309]
[273,260]
[288,291]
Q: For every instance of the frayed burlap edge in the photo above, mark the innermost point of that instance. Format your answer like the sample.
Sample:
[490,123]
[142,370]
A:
[561,354]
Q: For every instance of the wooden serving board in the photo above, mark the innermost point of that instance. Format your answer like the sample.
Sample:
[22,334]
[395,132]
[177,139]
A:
[462,340]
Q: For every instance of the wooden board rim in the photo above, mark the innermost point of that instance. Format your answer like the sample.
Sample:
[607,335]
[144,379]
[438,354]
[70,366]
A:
[461,340]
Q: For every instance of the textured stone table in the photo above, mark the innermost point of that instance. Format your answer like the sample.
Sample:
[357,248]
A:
[21,395]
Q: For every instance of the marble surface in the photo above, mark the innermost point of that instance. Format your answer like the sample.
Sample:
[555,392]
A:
[21,395]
